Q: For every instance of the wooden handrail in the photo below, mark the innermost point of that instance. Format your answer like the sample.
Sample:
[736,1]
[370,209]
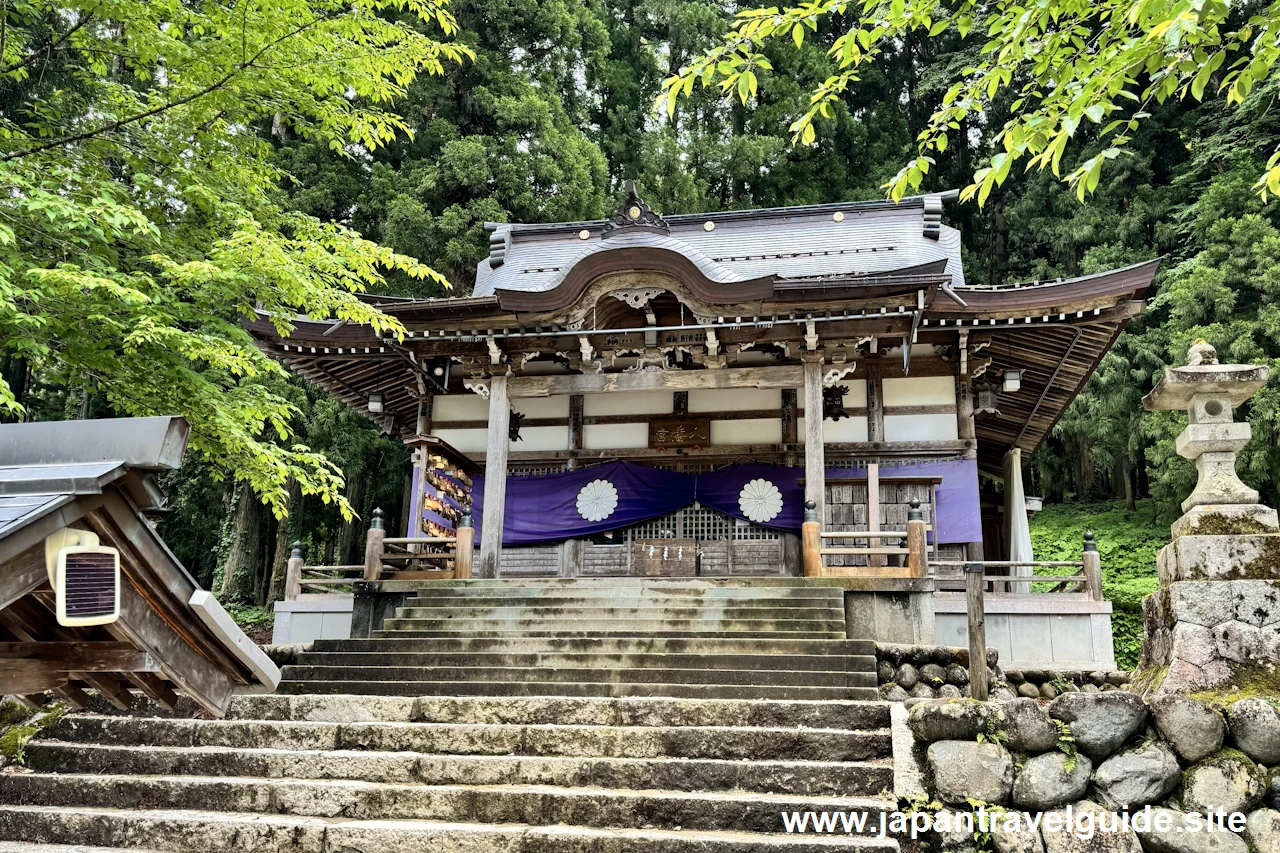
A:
[420,540]
[1048,564]
[864,534]
[882,552]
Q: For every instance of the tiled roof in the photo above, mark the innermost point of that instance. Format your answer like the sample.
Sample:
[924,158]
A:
[873,237]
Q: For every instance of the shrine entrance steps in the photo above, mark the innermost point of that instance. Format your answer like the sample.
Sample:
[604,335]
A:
[694,638]
[366,774]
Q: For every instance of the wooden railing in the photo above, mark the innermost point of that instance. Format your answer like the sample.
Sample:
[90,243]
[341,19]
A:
[914,554]
[1087,581]
[400,558]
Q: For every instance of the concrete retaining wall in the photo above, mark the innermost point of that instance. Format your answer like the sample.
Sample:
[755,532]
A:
[319,617]
[1035,631]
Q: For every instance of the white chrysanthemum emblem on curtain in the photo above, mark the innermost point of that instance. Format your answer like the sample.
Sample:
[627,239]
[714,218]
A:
[760,501]
[597,500]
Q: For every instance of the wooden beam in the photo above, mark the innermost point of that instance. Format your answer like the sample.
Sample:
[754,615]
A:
[154,689]
[22,575]
[495,479]
[80,656]
[860,449]
[814,450]
[675,380]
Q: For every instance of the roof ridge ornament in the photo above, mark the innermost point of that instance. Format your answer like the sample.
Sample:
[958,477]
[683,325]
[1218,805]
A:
[634,213]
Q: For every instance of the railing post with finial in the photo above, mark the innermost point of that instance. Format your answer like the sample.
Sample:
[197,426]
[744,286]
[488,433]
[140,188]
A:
[917,542]
[1092,563]
[373,548]
[975,604]
[293,573]
[811,541]
[465,546]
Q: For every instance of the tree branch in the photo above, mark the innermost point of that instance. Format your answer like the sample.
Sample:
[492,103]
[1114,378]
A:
[52,46]
[146,114]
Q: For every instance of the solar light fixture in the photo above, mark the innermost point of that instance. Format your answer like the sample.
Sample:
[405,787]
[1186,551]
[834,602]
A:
[85,577]
[375,402]
[1012,381]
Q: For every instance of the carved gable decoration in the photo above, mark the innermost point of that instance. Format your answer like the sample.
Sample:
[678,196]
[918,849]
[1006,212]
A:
[634,213]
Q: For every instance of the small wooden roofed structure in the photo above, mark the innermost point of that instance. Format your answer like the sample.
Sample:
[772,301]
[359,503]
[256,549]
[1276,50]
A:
[171,635]
[861,282]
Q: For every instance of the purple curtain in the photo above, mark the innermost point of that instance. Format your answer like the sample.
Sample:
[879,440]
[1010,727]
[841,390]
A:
[744,491]
[959,516]
[555,507]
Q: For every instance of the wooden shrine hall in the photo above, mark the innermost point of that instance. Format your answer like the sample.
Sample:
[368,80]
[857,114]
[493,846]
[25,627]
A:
[640,396]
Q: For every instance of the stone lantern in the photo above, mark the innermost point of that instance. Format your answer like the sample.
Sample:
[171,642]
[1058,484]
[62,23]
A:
[1214,622]
[1210,392]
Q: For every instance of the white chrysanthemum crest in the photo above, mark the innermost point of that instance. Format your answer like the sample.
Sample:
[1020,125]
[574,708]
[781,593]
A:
[760,501]
[597,500]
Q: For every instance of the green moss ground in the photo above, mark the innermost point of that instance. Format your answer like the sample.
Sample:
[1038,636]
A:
[1128,542]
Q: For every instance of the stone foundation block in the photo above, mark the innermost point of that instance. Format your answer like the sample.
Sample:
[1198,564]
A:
[1195,558]
[1226,519]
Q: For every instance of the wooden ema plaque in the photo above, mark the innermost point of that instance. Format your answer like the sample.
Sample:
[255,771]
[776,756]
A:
[665,558]
[680,432]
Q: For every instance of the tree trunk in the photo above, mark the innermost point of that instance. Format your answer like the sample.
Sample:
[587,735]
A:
[280,559]
[243,550]
[347,536]
[1130,494]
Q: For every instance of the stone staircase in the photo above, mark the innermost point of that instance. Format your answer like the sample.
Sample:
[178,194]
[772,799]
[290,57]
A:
[541,717]
[366,774]
[726,639]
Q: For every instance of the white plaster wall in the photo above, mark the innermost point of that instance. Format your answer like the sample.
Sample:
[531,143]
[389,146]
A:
[632,403]
[747,431]
[610,436]
[920,391]
[735,400]
[542,438]
[1045,639]
[464,440]
[920,428]
[842,431]
[541,407]
[459,407]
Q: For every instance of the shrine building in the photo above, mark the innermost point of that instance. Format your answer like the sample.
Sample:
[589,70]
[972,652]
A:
[640,396]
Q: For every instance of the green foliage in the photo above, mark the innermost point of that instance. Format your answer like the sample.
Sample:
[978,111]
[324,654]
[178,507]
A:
[143,223]
[1067,745]
[1128,542]
[20,732]
[251,618]
[1069,67]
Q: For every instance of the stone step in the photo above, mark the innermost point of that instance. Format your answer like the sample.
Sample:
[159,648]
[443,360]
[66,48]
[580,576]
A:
[572,629]
[699,612]
[541,805]
[568,689]
[622,598]
[27,847]
[615,645]
[409,675]
[800,778]
[185,831]
[726,743]
[778,583]
[650,625]
[594,661]
[632,711]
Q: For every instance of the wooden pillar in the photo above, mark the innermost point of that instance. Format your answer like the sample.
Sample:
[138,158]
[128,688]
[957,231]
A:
[917,542]
[975,589]
[373,548]
[495,478]
[1092,561]
[464,548]
[875,402]
[575,430]
[293,573]
[814,453]
[811,542]
[873,510]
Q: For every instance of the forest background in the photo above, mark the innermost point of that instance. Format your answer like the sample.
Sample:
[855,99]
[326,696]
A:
[557,108]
